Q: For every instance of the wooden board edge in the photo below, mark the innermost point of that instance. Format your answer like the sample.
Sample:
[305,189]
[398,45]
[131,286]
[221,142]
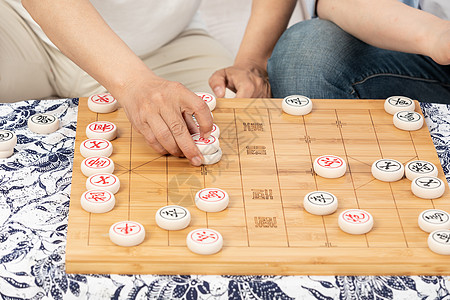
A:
[241,261]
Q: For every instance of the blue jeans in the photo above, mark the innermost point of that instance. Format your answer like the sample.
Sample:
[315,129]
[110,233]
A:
[317,59]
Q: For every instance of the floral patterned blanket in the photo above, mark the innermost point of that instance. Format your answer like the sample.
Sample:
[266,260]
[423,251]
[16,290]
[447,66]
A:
[34,205]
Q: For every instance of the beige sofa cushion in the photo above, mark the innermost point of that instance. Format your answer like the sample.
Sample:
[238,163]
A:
[226,20]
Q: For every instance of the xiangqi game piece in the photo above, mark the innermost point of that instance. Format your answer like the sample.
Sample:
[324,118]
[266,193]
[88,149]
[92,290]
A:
[355,221]
[173,217]
[395,104]
[439,241]
[101,130]
[206,146]
[43,123]
[8,140]
[408,120]
[97,164]
[127,233]
[96,147]
[388,170]
[268,174]
[209,99]
[204,241]
[330,166]
[320,203]
[98,201]
[102,103]
[6,153]
[297,105]
[428,187]
[417,168]
[195,119]
[212,158]
[434,219]
[211,199]
[215,131]
[103,181]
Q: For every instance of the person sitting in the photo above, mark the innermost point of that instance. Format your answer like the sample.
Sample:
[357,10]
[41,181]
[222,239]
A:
[367,50]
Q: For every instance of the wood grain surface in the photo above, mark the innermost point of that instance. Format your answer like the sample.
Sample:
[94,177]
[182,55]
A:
[267,170]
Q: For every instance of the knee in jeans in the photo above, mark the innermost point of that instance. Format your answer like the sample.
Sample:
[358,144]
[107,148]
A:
[310,53]
[313,43]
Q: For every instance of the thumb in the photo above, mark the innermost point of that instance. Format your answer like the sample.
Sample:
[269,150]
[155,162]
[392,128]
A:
[218,83]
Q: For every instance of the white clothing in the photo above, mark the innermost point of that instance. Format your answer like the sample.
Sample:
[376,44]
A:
[439,8]
[144,25]
[32,69]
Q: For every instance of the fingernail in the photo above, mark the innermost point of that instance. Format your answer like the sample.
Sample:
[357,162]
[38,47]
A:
[218,91]
[206,135]
[197,161]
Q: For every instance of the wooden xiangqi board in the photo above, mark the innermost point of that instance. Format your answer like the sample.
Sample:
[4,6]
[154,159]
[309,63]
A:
[267,170]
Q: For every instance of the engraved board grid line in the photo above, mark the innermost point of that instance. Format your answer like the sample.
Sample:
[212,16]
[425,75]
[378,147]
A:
[324,225]
[337,123]
[393,194]
[271,146]
[166,160]
[278,178]
[351,173]
[204,186]
[367,183]
[445,181]
[90,215]
[240,175]
[390,185]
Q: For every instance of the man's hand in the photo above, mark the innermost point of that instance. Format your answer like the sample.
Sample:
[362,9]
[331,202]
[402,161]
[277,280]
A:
[248,76]
[162,111]
[246,82]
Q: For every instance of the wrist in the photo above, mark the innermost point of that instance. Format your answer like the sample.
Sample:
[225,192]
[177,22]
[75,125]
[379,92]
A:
[251,64]
[131,82]
[433,40]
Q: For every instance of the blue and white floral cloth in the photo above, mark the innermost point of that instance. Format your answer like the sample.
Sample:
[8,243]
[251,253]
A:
[34,205]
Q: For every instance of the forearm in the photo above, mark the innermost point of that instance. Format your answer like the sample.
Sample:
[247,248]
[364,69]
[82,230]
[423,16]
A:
[387,24]
[77,29]
[268,20]
[159,109]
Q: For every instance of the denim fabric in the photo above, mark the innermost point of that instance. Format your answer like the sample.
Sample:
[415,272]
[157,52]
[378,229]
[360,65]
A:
[317,59]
